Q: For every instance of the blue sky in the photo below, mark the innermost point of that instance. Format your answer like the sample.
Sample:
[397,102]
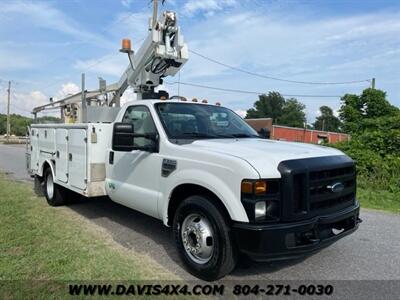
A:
[46,45]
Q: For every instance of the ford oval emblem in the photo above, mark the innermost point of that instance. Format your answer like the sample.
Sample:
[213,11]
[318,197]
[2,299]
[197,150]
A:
[336,187]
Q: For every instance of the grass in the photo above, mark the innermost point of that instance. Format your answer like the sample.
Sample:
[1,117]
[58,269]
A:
[379,199]
[47,244]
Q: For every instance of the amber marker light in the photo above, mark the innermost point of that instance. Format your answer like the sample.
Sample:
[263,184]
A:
[260,187]
[247,187]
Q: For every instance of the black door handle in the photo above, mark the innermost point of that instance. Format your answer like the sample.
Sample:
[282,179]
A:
[111,158]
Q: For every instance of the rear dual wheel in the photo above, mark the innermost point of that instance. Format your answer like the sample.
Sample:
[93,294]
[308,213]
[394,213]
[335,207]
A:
[203,238]
[55,194]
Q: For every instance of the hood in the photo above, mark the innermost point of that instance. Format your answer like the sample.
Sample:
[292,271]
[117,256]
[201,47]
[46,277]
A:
[264,155]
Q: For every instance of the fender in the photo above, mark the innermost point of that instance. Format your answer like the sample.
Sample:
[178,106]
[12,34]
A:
[52,167]
[212,183]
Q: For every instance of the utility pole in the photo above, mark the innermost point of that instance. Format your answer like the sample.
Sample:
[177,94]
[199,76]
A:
[373,83]
[8,111]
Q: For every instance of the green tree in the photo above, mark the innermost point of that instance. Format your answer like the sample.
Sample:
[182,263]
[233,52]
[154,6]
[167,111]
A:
[372,103]
[283,112]
[374,125]
[293,114]
[19,124]
[327,120]
[267,106]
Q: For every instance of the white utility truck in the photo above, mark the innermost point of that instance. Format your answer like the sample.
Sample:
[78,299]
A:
[198,167]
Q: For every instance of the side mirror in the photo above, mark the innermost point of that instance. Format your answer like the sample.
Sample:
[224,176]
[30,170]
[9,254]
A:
[151,147]
[124,136]
[264,133]
[122,139]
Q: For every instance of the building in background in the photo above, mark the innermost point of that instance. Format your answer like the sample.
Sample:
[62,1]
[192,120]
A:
[292,134]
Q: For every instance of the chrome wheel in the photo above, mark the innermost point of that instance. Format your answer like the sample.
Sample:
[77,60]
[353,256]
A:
[50,186]
[198,238]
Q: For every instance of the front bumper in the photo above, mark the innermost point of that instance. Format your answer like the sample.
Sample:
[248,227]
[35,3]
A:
[269,242]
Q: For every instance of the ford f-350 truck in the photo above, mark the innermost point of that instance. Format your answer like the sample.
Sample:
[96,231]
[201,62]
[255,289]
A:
[202,170]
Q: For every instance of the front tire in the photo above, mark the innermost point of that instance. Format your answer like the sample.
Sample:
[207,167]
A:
[55,195]
[203,239]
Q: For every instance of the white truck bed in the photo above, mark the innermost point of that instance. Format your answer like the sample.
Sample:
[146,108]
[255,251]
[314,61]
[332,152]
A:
[76,152]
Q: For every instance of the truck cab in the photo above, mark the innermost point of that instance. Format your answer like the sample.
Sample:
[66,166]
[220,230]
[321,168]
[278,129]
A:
[204,171]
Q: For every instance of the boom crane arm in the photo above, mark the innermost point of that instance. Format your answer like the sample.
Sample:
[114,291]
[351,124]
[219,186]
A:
[163,53]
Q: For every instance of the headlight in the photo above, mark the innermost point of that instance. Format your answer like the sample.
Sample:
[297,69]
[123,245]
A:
[260,210]
[260,199]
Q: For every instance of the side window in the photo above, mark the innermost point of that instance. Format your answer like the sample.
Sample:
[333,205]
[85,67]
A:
[142,121]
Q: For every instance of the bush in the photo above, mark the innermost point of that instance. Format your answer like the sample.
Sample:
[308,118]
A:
[375,147]
[373,170]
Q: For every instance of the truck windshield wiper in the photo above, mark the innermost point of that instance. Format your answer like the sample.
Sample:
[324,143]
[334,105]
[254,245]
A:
[186,135]
[238,135]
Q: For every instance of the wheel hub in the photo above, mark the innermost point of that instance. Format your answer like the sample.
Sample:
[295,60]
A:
[197,238]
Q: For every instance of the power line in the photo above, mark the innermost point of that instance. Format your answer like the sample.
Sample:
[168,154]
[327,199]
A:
[275,78]
[248,92]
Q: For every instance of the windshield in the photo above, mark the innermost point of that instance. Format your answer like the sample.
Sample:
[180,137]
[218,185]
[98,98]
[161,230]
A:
[196,121]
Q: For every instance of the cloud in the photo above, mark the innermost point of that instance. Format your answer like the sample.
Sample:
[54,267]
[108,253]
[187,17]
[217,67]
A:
[19,60]
[298,44]
[131,25]
[23,103]
[207,7]
[277,44]
[66,90]
[289,47]
[126,3]
[241,112]
[44,15]
[112,64]
[295,47]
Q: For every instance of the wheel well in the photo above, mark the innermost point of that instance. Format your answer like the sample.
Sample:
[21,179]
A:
[183,191]
[46,165]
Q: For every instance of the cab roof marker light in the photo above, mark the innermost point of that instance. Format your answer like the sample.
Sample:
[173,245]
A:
[204,101]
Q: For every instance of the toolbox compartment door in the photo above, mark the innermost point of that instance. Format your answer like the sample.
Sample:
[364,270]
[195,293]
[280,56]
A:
[77,155]
[62,155]
[34,144]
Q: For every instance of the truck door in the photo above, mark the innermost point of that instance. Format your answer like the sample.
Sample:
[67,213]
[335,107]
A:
[133,177]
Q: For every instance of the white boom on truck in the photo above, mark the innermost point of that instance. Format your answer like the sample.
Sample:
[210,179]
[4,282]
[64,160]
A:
[163,53]
[199,168]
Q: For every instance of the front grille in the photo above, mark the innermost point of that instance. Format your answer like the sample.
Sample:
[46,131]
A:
[307,186]
[321,197]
